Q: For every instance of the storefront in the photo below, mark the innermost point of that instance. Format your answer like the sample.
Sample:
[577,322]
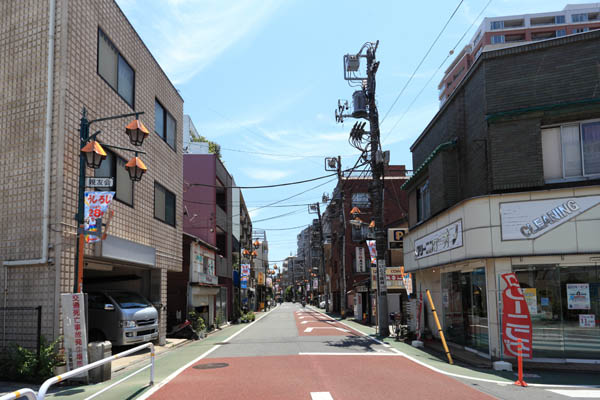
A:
[549,239]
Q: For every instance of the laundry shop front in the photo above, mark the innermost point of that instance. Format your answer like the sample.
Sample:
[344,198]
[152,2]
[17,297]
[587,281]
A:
[549,239]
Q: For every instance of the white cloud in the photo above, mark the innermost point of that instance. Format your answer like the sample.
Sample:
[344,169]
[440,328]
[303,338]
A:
[266,174]
[191,34]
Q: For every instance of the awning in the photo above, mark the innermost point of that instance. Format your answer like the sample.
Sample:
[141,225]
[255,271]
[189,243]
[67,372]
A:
[204,290]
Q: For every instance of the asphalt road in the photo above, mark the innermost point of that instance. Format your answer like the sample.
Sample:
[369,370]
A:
[296,353]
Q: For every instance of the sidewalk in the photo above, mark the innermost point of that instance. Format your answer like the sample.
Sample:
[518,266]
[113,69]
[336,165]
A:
[173,355]
[468,366]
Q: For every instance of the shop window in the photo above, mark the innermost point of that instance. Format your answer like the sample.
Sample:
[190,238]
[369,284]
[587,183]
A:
[464,302]
[113,68]
[165,125]
[571,151]
[164,204]
[564,304]
[114,167]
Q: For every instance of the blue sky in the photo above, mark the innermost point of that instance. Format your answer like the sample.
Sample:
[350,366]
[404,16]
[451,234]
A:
[265,76]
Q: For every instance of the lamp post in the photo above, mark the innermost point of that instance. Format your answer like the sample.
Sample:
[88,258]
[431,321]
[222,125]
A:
[91,155]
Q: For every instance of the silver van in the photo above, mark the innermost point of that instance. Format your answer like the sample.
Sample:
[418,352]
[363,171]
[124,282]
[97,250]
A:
[122,317]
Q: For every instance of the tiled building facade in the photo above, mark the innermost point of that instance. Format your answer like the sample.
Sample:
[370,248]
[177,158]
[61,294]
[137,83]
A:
[75,82]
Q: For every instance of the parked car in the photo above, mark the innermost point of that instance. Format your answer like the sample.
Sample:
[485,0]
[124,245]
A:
[122,317]
[322,304]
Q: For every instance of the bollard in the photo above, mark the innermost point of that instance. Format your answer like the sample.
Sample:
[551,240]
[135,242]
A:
[520,381]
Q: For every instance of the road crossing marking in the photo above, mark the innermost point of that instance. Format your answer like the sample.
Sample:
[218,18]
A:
[583,394]
[309,330]
[320,396]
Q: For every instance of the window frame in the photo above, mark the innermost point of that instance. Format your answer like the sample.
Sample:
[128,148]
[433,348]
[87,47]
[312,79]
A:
[167,191]
[363,205]
[166,115]
[502,39]
[584,176]
[119,56]
[113,188]
[422,214]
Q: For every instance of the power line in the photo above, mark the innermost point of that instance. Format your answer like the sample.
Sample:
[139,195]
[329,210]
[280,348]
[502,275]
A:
[283,229]
[277,154]
[436,71]
[420,63]
[295,195]
[261,186]
[279,216]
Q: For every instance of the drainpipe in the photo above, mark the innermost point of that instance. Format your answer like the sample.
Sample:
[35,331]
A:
[47,142]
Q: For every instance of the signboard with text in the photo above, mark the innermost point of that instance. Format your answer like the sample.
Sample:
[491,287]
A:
[361,265]
[95,205]
[444,239]
[245,269]
[516,321]
[74,330]
[525,220]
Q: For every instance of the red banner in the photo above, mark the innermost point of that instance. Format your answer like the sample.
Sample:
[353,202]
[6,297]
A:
[516,322]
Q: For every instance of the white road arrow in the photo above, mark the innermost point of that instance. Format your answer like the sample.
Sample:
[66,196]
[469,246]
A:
[309,330]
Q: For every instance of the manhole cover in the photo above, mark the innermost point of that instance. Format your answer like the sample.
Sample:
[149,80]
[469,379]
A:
[211,366]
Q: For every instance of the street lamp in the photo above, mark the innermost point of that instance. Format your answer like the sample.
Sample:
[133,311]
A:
[91,155]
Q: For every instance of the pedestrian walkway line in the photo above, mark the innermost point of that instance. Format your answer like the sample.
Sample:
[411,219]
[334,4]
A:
[169,378]
[320,396]
[350,354]
[583,394]
[501,383]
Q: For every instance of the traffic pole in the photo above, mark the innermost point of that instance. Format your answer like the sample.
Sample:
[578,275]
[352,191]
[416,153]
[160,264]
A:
[520,381]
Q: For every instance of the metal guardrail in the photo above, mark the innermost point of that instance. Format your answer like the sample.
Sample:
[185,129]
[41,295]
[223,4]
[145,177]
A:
[77,371]
[19,394]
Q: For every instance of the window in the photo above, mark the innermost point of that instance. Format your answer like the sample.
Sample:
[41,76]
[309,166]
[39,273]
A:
[581,30]
[114,167]
[423,202]
[361,200]
[361,232]
[497,39]
[164,204]
[559,19]
[571,151]
[164,124]
[497,25]
[113,68]
[579,17]
[561,32]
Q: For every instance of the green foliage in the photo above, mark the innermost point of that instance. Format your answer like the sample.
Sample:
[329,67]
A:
[197,321]
[248,317]
[219,319]
[213,147]
[24,365]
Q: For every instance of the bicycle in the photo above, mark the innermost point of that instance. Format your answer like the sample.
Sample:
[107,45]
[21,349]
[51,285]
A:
[397,328]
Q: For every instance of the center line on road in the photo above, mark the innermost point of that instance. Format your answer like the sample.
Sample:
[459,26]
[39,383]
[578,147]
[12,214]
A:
[320,396]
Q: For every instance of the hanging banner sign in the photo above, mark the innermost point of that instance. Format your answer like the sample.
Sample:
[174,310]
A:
[516,321]
[244,282]
[74,330]
[245,269]
[371,244]
[269,282]
[261,278]
[315,283]
[95,205]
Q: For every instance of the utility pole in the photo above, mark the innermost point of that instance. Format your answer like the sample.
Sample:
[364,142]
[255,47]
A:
[335,163]
[311,209]
[365,107]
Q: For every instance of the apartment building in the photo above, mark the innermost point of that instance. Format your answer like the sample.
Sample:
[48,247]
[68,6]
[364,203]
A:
[350,249]
[207,215]
[507,31]
[57,58]
[507,179]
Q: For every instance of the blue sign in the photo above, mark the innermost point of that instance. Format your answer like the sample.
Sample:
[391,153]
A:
[244,282]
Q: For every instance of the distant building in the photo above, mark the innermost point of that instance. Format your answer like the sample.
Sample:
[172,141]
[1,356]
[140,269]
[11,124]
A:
[507,31]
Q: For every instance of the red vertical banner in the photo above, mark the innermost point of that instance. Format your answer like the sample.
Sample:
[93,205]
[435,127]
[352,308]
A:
[516,321]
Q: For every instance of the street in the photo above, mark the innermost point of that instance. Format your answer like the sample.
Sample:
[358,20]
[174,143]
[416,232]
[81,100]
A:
[300,353]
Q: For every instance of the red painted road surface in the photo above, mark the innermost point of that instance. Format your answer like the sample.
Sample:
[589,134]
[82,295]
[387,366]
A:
[295,377]
[312,323]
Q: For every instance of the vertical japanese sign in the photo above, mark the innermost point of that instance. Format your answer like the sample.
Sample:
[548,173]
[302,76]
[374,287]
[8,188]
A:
[360,259]
[516,321]
[244,282]
[96,204]
[371,244]
[75,339]
[245,269]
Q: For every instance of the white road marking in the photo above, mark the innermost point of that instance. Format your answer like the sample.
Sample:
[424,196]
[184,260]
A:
[583,394]
[320,396]
[309,330]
